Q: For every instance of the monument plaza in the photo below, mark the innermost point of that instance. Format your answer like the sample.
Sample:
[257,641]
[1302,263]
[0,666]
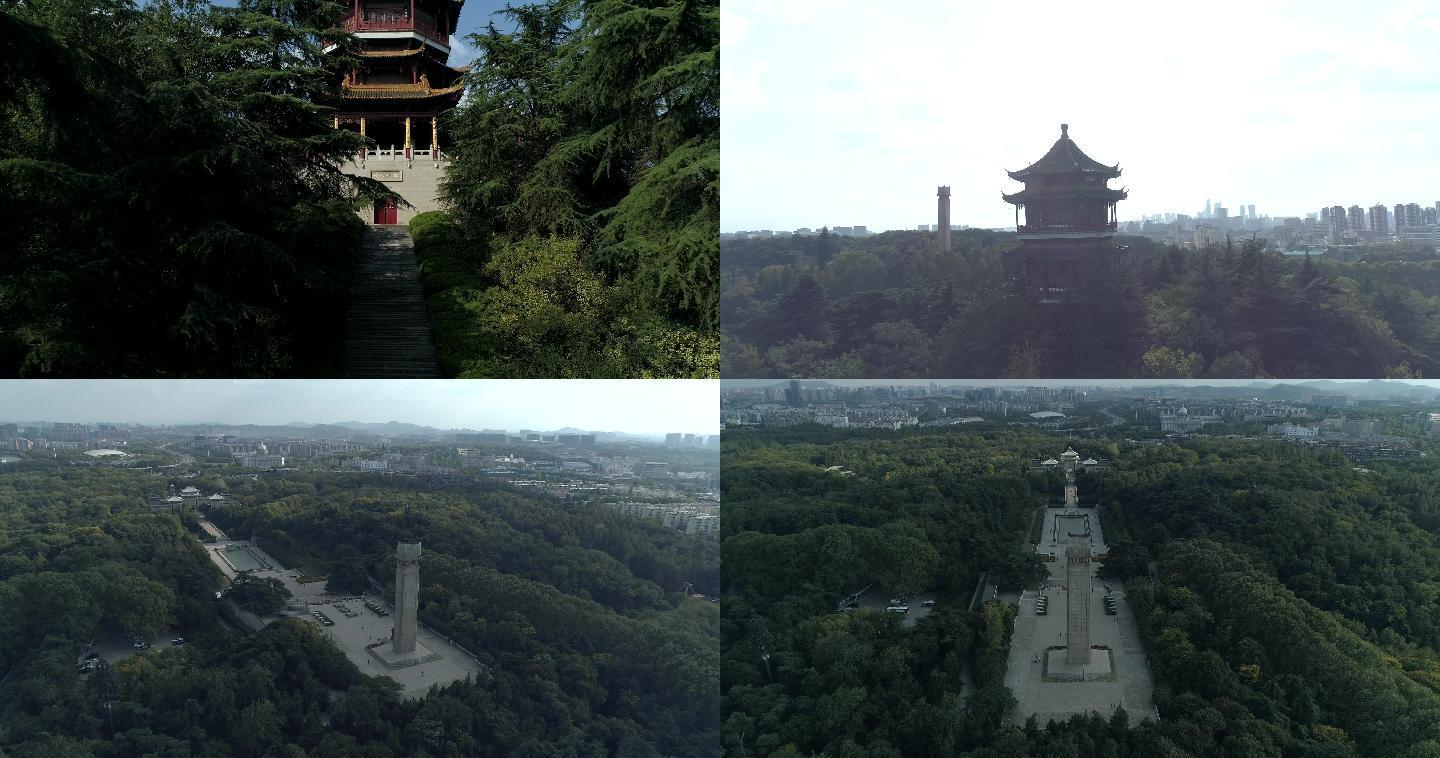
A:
[1076,658]
[413,655]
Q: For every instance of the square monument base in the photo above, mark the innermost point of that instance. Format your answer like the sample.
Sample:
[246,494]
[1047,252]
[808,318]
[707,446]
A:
[1101,667]
[386,654]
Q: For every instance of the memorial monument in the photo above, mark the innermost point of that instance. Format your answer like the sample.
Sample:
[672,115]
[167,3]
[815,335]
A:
[1077,619]
[405,649]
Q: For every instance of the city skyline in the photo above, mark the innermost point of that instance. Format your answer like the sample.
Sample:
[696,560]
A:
[650,407]
[871,124]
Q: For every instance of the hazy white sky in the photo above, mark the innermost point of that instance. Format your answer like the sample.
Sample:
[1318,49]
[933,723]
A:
[649,406]
[840,112]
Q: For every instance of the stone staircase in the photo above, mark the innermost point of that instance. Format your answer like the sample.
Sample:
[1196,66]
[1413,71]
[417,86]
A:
[387,333]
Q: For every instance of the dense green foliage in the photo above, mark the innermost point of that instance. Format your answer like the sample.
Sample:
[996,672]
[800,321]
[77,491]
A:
[584,192]
[892,305]
[926,512]
[175,205]
[258,595]
[533,308]
[589,648]
[1294,612]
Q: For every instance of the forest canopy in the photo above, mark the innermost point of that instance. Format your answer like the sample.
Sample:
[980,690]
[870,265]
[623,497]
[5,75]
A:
[893,305]
[588,644]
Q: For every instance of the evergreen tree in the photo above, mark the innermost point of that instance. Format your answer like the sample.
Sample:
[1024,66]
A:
[183,214]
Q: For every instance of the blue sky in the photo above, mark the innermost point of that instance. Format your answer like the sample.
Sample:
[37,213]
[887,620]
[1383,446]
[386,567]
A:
[648,406]
[841,112]
[473,18]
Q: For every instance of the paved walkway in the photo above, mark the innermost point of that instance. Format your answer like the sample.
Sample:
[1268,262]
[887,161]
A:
[387,333]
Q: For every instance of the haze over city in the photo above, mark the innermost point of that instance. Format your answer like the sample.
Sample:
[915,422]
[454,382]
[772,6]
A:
[638,407]
[1287,106]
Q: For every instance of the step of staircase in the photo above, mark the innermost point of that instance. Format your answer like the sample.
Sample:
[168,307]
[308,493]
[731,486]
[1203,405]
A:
[387,332]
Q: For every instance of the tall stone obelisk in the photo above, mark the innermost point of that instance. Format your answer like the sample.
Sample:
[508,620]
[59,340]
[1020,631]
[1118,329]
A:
[1077,580]
[407,595]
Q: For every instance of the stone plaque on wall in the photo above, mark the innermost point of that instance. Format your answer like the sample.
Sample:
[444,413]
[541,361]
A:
[392,175]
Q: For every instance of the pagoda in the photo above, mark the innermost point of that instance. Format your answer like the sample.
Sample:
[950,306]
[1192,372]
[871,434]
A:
[397,92]
[1069,221]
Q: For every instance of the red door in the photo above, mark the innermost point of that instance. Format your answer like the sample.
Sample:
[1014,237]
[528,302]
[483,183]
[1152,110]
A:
[386,212]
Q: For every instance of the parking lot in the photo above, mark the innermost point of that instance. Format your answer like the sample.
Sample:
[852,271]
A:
[877,600]
[114,646]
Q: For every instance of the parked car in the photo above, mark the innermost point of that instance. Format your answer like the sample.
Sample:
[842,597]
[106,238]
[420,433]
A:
[900,609]
[928,604]
[177,641]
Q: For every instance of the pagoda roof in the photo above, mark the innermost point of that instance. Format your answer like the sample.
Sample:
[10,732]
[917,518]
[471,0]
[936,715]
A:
[398,91]
[1065,157]
[390,53]
[1065,193]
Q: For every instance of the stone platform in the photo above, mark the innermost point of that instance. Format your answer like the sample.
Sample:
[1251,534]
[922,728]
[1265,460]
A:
[1101,667]
[386,654]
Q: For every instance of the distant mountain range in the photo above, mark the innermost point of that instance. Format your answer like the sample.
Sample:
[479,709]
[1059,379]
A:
[388,429]
[1374,389]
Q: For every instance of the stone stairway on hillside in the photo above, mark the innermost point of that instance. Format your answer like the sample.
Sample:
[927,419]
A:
[387,333]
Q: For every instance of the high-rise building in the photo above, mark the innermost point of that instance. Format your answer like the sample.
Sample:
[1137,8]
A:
[63,432]
[1380,219]
[1339,223]
[943,218]
[1428,216]
[1069,220]
[1408,214]
[1357,218]
[1251,212]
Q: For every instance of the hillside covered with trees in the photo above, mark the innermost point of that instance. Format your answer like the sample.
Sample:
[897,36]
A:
[582,236]
[1291,610]
[892,305]
[588,645]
